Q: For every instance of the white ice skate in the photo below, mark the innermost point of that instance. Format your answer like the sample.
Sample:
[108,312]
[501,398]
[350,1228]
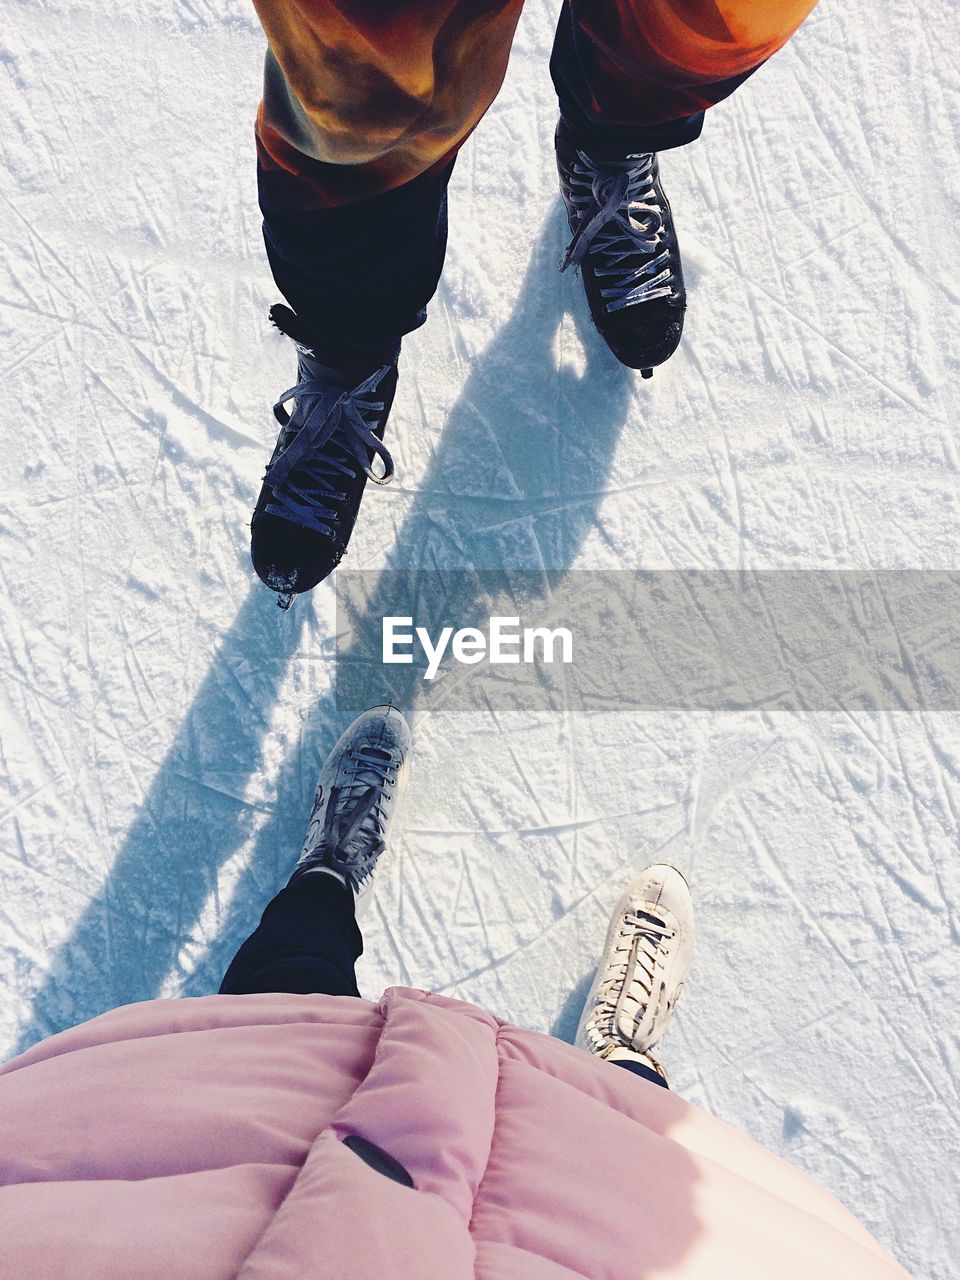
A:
[645,962]
[356,797]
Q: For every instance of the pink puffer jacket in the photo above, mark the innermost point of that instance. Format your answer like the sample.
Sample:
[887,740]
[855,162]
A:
[204,1139]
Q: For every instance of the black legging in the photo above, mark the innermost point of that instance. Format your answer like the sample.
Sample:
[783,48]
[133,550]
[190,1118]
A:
[307,943]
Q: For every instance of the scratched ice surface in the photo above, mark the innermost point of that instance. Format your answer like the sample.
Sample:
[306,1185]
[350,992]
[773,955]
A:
[161,722]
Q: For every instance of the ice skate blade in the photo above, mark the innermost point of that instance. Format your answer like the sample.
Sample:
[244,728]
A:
[646,373]
[285,599]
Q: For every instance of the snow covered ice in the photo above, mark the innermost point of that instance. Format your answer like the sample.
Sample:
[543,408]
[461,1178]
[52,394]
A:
[162,723]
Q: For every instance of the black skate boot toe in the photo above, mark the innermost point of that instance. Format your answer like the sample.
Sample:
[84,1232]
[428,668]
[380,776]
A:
[288,558]
[643,337]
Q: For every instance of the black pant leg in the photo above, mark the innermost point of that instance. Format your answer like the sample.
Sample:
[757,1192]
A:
[571,67]
[641,1069]
[360,274]
[307,943]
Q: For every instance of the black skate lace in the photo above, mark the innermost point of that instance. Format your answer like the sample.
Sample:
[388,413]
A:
[326,438]
[634,976]
[352,838]
[621,221]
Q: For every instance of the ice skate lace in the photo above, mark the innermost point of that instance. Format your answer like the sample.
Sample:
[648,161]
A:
[621,222]
[325,440]
[350,836]
[641,936]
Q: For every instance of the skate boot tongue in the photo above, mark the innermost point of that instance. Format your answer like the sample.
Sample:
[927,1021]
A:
[641,917]
[355,813]
[352,833]
[340,367]
[344,367]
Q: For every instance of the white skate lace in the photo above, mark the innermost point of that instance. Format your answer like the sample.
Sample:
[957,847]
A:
[326,438]
[621,224]
[634,977]
[350,837]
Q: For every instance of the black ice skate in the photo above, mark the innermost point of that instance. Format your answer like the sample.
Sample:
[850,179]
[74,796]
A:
[323,458]
[626,248]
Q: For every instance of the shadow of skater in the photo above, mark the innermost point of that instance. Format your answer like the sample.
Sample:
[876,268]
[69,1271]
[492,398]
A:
[540,439]
[523,460]
[192,820]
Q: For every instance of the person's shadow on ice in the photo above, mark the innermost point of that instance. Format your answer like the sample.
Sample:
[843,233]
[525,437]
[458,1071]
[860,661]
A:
[516,481]
[527,429]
